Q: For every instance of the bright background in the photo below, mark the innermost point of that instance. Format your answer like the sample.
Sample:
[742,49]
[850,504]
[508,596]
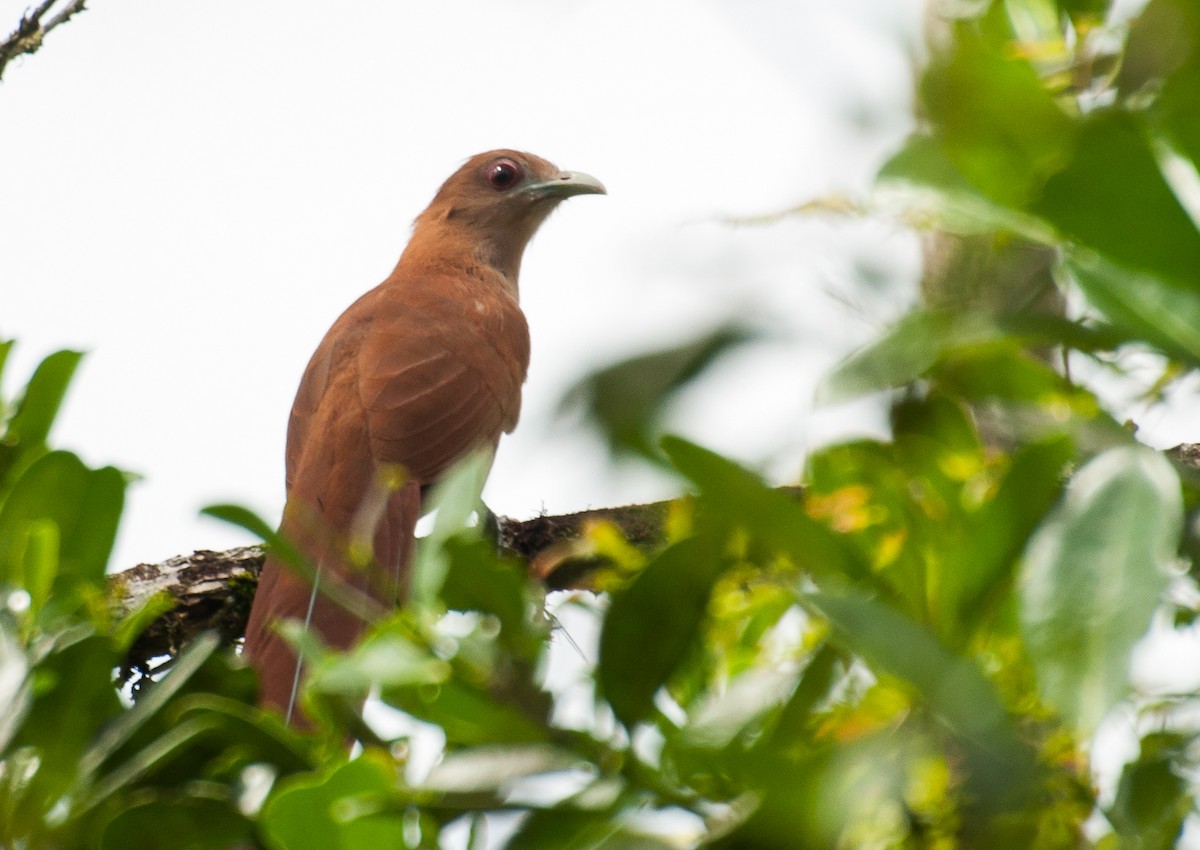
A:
[193,192]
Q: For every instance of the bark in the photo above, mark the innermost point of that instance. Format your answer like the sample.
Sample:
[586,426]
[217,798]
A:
[213,590]
[33,27]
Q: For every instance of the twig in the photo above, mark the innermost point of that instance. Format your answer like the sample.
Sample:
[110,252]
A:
[31,32]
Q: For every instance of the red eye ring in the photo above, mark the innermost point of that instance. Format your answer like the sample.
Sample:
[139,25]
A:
[504,174]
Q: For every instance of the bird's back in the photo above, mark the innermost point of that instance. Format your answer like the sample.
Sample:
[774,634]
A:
[435,363]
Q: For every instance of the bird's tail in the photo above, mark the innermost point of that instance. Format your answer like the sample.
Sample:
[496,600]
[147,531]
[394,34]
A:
[324,606]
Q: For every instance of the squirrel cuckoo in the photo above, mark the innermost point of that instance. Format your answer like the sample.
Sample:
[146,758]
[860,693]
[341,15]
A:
[415,374]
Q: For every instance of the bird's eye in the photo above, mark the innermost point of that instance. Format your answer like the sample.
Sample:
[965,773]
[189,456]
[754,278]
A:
[504,174]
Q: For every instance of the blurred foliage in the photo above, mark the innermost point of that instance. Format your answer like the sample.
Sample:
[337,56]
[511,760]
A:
[626,400]
[916,653]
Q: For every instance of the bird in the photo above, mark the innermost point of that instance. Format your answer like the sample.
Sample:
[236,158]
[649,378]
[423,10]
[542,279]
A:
[419,372]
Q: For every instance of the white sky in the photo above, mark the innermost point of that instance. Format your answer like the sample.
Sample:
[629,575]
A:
[193,192]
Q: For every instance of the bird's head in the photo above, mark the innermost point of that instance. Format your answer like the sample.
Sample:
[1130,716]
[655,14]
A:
[495,203]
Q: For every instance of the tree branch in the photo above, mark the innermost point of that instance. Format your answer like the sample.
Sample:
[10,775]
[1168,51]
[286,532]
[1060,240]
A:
[213,590]
[31,32]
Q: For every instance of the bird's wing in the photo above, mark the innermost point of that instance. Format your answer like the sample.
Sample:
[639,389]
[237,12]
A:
[334,361]
[442,376]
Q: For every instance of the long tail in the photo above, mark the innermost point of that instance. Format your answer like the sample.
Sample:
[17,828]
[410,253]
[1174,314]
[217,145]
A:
[284,594]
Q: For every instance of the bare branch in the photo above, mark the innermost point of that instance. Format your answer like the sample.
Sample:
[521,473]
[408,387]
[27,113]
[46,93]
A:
[69,11]
[31,32]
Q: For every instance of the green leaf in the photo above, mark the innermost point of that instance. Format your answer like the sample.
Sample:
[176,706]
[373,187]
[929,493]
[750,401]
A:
[155,758]
[933,432]
[652,623]
[1162,39]
[84,504]
[30,424]
[726,716]
[177,822]
[136,621]
[627,400]
[6,347]
[974,354]
[1094,573]
[626,839]
[562,829]
[39,562]
[384,657]
[455,498]
[1153,797]
[1162,57]
[246,519]
[905,353]
[1114,199]
[493,768]
[1002,370]
[242,518]
[16,689]
[1180,101]
[815,798]
[1084,12]
[467,714]
[795,721]
[42,397]
[929,186]
[126,724]
[921,161]
[340,593]
[197,725]
[1000,529]
[351,806]
[1000,765]
[246,734]
[995,120]
[73,696]
[734,498]
[478,580]
[1142,305]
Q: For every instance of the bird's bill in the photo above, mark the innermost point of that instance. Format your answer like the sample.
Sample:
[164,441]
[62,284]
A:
[566,184]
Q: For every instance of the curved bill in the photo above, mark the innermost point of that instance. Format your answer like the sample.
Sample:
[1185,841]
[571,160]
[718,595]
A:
[566,184]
